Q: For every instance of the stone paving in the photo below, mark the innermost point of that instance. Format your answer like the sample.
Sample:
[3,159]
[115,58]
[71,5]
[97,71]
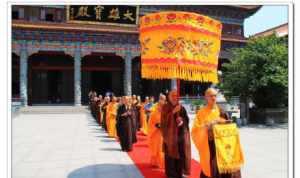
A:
[66,146]
[266,151]
[73,146]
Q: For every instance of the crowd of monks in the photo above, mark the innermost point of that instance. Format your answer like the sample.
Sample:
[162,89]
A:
[166,125]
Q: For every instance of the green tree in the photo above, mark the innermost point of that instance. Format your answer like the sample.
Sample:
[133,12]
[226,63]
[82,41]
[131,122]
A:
[259,71]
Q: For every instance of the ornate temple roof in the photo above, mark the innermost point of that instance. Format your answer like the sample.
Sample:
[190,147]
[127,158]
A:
[280,31]
[236,14]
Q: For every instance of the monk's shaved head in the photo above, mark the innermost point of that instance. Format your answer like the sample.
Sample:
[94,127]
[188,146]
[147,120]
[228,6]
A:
[162,96]
[211,96]
[125,100]
[211,91]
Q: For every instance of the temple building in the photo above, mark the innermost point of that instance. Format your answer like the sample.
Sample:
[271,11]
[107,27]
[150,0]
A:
[60,53]
[280,31]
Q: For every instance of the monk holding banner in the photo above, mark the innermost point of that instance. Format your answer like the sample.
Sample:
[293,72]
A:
[176,138]
[154,135]
[220,153]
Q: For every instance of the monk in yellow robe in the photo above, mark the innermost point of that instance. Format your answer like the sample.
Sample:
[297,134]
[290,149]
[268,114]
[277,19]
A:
[104,110]
[111,117]
[143,117]
[202,135]
[155,140]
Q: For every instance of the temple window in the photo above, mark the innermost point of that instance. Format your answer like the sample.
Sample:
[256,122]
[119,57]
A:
[47,15]
[58,15]
[15,14]
[18,13]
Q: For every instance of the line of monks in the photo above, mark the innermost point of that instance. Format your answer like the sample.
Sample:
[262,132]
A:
[166,125]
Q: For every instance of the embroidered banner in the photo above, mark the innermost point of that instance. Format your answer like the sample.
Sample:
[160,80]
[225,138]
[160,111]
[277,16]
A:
[228,148]
[180,45]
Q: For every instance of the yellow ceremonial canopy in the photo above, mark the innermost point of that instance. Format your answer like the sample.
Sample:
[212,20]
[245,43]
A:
[180,45]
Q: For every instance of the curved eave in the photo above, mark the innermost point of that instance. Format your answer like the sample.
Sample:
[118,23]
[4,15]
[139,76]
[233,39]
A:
[247,9]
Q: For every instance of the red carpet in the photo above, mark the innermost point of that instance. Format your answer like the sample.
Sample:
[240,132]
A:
[141,157]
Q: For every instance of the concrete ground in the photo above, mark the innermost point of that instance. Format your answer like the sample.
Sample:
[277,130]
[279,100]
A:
[66,146]
[73,146]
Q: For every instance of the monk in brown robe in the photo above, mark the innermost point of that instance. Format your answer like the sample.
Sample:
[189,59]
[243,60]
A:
[155,140]
[135,117]
[97,109]
[100,100]
[176,138]
[101,110]
[136,104]
[92,103]
[92,94]
[93,99]
[136,108]
[124,125]
[203,139]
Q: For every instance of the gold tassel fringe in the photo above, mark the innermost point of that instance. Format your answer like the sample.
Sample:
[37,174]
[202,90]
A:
[184,72]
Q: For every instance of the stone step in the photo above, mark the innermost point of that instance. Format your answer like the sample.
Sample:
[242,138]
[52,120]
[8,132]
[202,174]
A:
[53,109]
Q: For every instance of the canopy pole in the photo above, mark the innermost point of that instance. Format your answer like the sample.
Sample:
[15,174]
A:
[173,84]
[178,87]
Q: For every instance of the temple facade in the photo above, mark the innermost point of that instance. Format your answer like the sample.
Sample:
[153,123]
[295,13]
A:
[60,53]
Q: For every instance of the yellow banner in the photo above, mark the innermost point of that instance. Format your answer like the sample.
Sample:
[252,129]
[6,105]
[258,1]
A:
[180,45]
[228,148]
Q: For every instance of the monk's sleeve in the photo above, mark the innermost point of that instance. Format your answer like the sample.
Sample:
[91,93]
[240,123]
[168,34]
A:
[163,122]
[115,109]
[197,130]
[200,139]
[108,109]
[165,116]
[119,112]
[151,124]
[185,117]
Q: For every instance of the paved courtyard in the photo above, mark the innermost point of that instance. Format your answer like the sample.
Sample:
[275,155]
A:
[73,146]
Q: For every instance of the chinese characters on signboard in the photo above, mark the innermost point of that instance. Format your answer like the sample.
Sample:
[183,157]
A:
[112,14]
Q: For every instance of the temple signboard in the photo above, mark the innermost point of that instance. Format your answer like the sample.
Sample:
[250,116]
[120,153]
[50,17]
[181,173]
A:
[103,14]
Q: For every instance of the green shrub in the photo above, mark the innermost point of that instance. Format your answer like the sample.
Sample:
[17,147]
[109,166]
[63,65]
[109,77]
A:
[198,102]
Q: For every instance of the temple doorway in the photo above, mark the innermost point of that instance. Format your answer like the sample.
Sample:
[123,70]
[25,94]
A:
[51,78]
[103,73]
